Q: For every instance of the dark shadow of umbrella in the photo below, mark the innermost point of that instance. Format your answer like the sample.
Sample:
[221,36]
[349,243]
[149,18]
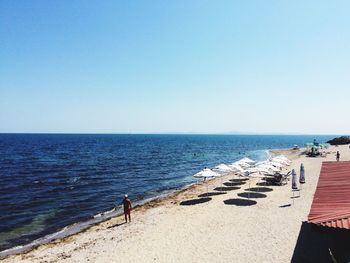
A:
[239,180]
[266,184]
[287,205]
[212,194]
[251,195]
[314,242]
[227,188]
[259,189]
[239,202]
[233,184]
[196,201]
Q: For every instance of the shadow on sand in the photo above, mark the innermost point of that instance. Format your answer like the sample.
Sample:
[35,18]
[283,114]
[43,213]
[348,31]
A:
[239,202]
[266,183]
[314,242]
[233,184]
[287,205]
[259,189]
[116,225]
[239,180]
[196,201]
[212,194]
[227,188]
[251,195]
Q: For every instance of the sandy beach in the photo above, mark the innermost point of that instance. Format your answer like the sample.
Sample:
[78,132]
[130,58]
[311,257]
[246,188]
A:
[177,229]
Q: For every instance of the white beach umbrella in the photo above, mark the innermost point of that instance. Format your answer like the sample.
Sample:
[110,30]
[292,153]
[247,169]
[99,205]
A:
[284,162]
[282,158]
[276,164]
[223,169]
[247,160]
[269,167]
[236,167]
[260,170]
[206,173]
[242,164]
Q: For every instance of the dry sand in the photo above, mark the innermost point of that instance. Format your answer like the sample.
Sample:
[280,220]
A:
[213,231]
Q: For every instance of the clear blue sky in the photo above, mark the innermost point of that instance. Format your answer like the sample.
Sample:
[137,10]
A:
[175,66]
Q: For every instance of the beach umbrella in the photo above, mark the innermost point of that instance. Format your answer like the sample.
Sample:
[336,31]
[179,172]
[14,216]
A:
[276,164]
[269,167]
[242,164]
[302,175]
[206,173]
[281,161]
[282,158]
[294,182]
[236,167]
[223,169]
[260,170]
[247,160]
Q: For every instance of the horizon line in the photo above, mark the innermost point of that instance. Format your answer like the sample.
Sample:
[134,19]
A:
[177,133]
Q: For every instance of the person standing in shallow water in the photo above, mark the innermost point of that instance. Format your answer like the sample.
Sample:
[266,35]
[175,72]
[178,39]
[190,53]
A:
[127,208]
[338,156]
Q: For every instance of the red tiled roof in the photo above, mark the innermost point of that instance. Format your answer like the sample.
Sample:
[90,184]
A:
[331,204]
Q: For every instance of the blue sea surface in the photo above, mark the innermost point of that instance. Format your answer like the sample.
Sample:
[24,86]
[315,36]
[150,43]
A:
[50,181]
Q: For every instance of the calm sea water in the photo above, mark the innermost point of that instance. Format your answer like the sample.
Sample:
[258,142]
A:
[48,182]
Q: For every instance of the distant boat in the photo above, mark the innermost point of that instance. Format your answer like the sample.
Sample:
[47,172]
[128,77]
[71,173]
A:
[295,147]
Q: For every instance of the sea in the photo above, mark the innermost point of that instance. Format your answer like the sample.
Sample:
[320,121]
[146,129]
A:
[54,185]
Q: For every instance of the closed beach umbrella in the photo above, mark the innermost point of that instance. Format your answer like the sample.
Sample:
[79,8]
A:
[302,175]
[294,180]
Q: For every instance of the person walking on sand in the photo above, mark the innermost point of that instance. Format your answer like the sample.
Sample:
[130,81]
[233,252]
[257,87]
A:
[127,208]
[338,156]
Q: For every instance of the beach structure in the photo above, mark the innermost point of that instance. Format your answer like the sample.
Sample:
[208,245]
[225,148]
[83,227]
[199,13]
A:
[314,149]
[331,204]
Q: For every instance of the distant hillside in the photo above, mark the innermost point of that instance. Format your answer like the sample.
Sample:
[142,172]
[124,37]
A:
[340,140]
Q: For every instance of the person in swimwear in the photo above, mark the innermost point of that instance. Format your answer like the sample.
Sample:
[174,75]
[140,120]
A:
[127,208]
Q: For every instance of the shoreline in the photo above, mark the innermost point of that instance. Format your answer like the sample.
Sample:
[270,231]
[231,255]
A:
[82,226]
[169,202]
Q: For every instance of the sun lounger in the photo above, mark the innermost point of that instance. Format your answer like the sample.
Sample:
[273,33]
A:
[280,179]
